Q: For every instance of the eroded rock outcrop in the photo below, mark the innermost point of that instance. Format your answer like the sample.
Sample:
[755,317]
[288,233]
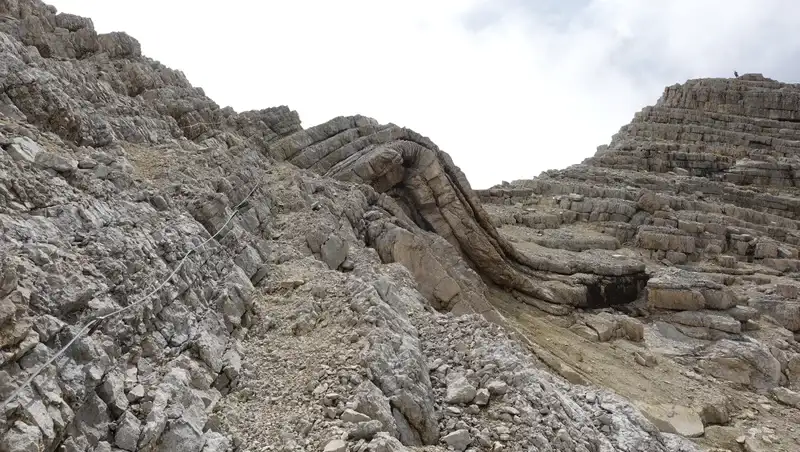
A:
[256,304]
[699,188]
[432,193]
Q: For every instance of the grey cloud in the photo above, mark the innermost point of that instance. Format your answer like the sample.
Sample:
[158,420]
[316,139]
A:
[651,44]
[753,38]
[554,13]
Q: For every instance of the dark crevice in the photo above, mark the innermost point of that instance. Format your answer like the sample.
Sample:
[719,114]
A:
[607,292]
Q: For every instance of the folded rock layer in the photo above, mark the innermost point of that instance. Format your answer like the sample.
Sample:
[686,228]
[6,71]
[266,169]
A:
[267,287]
[433,192]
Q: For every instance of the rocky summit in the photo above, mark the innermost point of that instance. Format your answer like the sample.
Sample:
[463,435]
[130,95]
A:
[176,276]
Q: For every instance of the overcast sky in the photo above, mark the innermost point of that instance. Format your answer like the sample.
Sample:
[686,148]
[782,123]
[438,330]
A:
[509,88]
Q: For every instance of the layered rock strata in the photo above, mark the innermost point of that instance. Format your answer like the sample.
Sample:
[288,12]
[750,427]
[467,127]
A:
[701,189]
[661,187]
[427,190]
[302,314]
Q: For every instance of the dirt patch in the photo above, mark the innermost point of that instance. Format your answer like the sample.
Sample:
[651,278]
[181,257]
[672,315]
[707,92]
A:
[613,365]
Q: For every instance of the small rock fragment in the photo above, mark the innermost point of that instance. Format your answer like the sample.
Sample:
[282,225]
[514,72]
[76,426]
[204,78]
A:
[715,413]
[336,445]
[459,389]
[645,359]
[365,430]
[128,430]
[497,387]
[458,440]
[674,419]
[786,396]
[354,416]
[482,397]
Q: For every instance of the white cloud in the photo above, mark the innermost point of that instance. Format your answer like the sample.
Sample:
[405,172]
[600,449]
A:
[508,87]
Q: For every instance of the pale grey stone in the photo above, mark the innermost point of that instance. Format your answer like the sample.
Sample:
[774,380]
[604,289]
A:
[459,389]
[482,397]
[458,440]
[336,445]
[128,430]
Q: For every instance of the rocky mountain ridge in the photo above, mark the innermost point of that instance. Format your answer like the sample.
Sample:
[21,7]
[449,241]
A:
[700,187]
[342,287]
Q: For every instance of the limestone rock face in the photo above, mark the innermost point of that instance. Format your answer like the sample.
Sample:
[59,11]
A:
[701,188]
[342,287]
[230,281]
[430,192]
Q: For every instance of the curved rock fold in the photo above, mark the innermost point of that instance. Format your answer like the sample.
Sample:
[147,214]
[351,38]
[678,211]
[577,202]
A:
[433,192]
[367,298]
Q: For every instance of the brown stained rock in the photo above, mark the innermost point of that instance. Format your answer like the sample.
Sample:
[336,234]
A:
[605,325]
[633,328]
[645,359]
[585,332]
[675,299]
[686,291]
[674,419]
[748,364]
[715,412]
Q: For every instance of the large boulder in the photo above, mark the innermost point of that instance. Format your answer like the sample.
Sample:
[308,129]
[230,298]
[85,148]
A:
[747,363]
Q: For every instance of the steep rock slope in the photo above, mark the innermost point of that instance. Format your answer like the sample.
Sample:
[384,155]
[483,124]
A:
[701,188]
[236,301]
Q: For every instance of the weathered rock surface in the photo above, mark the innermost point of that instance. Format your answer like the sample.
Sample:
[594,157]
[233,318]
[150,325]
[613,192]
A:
[702,189]
[357,294]
[429,191]
[268,287]
[675,419]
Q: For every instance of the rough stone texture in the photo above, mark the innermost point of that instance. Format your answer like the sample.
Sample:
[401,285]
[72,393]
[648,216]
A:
[429,191]
[786,397]
[675,419]
[459,390]
[702,189]
[365,298]
[314,317]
